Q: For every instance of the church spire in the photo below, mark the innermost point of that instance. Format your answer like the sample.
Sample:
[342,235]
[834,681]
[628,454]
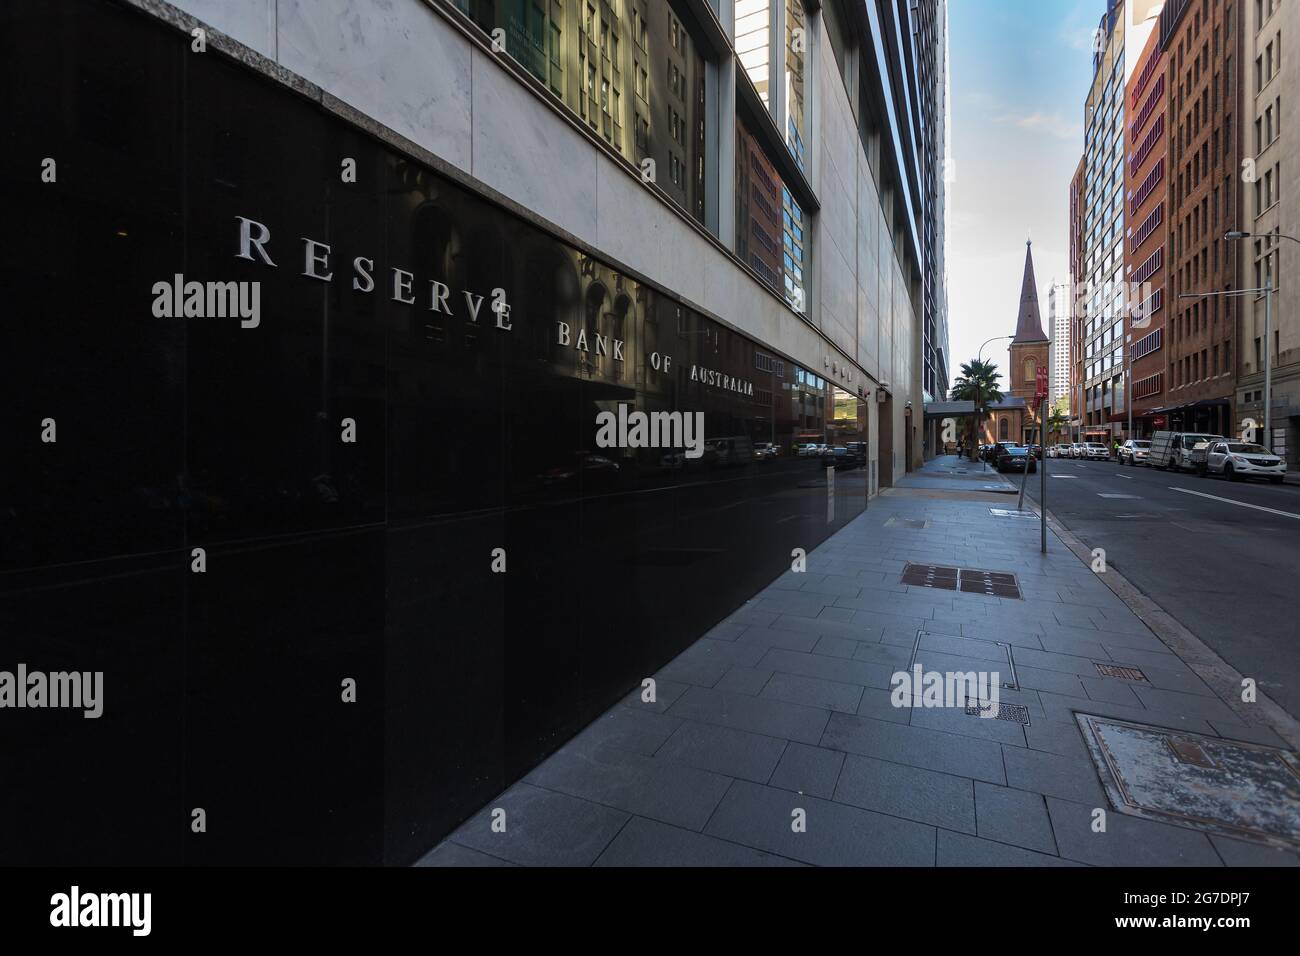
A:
[1029,325]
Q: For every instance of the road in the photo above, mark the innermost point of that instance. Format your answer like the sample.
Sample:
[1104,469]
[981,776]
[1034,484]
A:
[1221,557]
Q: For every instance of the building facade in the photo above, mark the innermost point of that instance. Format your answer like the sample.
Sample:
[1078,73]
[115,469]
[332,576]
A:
[929,52]
[1105,300]
[1077,309]
[1270,209]
[1030,351]
[462,232]
[1146,238]
[1058,322]
[1201,45]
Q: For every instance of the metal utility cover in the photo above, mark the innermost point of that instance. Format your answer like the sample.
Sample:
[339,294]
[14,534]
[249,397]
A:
[930,576]
[973,580]
[1229,787]
[1018,713]
[992,583]
[1011,513]
[1122,672]
[897,521]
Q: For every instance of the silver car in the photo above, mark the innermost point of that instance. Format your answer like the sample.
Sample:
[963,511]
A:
[1134,451]
[1236,460]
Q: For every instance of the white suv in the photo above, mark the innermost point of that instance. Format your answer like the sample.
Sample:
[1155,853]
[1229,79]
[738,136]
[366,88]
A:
[1235,459]
[1093,450]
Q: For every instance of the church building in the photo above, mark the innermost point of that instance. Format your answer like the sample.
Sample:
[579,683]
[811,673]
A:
[1015,418]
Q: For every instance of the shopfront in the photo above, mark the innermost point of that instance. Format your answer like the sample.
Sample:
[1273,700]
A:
[353,568]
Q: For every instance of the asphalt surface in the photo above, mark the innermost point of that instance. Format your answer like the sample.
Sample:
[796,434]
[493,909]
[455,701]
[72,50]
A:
[1227,566]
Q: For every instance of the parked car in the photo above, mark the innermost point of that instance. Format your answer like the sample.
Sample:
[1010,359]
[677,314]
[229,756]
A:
[1061,451]
[1134,451]
[591,470]
[1077,450]
[1095,450]
[807,449]
[1236,459]
[725,452]
[1173,450]
[841,459]
[764,450]
[1036,451]
[1015,458]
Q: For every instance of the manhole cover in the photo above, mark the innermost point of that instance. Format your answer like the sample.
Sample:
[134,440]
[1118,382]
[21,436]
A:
[970,580]
[1223,786]
[1018,713]
[1123,673]
[992,583]
[930,576]
[1011,513]
[899,522]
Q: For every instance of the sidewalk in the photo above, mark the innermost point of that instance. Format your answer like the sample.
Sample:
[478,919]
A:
[785,707]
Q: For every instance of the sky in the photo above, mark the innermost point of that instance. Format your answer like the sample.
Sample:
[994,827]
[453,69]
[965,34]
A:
[1020,71]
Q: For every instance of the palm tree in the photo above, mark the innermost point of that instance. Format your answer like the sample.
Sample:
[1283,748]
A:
[1057,422]
[979,384]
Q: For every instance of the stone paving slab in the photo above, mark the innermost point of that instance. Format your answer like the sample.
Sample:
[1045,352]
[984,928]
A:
[786,707]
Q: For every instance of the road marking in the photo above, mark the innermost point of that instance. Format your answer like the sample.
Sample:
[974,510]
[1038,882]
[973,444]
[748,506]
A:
[1125,477]
[1062,476]
[1240,504]
[1118,496]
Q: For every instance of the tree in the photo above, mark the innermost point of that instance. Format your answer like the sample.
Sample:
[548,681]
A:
[979,384]
[1057,423]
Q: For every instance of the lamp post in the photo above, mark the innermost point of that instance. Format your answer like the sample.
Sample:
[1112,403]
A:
[979,358]
[1268,331]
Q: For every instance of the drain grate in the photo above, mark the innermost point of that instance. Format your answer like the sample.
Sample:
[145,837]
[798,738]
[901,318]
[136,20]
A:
[930,576]
[992,583]
[1228,787]
[1017,713]
[1123,673]
[970,580]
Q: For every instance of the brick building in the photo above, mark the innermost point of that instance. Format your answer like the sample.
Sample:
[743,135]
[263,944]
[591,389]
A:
[1146,240]
[1200,42]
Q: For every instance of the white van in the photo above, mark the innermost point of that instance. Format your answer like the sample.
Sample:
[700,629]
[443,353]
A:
[1173,450]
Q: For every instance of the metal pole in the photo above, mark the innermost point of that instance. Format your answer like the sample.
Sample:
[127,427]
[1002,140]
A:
[1042,491]
[1268,362]
[1128,389]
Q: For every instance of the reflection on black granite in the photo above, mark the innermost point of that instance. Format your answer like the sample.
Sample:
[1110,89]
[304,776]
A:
[328,560]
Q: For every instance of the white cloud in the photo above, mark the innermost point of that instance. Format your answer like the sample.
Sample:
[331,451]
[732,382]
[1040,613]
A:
[1053,124]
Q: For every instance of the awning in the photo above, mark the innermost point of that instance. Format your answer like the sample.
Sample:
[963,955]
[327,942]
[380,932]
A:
[949,409]
[1191,406]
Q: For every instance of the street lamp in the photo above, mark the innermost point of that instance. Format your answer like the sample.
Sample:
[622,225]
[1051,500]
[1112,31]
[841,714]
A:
[1268,290]
[979,358]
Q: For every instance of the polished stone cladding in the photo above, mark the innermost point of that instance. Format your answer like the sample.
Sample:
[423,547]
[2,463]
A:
[243,526]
